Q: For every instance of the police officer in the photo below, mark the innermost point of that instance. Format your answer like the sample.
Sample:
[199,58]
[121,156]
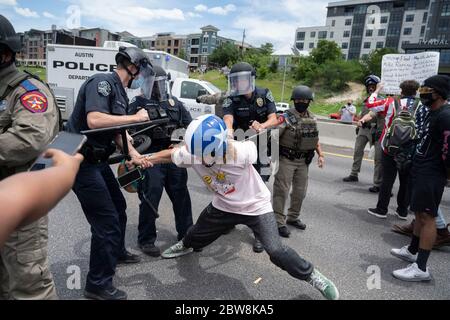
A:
[102,102]
[28,123]
[163,176]
[299,138]
[368,133]
[249,107]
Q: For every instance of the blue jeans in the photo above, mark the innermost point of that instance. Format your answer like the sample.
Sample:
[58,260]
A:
[104,206]
[156,179]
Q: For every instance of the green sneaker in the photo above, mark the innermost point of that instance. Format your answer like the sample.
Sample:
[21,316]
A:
[175,251]
[324,285]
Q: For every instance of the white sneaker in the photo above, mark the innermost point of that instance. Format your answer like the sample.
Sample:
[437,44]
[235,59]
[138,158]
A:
[175,251]
[412,273]
[404,254]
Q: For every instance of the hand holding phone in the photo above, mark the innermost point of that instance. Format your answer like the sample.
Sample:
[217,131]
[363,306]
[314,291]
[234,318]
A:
[69,143]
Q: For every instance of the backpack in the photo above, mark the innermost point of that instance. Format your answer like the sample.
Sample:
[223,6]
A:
[402,132]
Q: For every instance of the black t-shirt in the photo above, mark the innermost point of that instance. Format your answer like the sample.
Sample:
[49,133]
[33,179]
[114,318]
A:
[432,155]
[101,93]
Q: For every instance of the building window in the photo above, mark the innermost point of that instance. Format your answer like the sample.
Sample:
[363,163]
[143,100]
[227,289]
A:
[380,44]
[194,51]
[333,23]
[405,42]
[195,42]
[409,18]
[344,45]
[445,10]
[331,34]
[381,32]
[323,34]
[205,39]
[346,34]
[445,57]
[311,45]
[425,17]
[300,36]
[176,43]
[422,31]
[189,90]
[169,50]
[369,33]
[169,43]
[204,59]
[300,45]
[348,22]
[204,50]
[312,34]
[367,45]
[407,31]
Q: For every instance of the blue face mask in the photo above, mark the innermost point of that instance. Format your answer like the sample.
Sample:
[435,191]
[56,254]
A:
[137,83]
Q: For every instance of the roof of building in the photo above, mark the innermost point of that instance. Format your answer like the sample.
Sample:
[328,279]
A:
[354,2]
[284,51]
[209,27]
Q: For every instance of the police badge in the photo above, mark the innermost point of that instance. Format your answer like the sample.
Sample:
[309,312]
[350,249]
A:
[260,102]
[104,88]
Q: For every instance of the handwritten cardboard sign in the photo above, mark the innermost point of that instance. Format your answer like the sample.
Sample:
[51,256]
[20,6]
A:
[396,68]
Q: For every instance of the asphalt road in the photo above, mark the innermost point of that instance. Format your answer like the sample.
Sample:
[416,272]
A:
[341,239]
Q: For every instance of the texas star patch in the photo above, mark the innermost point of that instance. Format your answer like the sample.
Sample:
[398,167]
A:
[34,101]
[104,88]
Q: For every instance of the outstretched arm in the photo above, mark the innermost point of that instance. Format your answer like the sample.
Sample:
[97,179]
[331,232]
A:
[27,197]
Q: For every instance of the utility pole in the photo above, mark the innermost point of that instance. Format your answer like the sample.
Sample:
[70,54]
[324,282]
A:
[242,46]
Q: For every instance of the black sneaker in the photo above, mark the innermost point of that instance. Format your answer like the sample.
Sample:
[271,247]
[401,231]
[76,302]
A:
[297,224]
[374,189]
[284,232]
[150,249]
[377,213]
[257,246]
[128,258]
[402,214]
[351,178]
[107,294]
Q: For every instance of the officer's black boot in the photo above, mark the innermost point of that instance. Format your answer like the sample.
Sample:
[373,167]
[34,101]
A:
[128,258]
[284,232]
[107,294]
[350,178]
[150,249]
[257,246]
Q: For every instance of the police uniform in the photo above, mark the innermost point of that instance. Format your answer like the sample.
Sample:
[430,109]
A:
[367,134]
[298,141]
[163,176]
[96,186]
[29,121]
[245,111]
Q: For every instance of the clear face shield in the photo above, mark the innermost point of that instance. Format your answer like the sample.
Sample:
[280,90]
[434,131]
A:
[161,89]
[241,83]
[146,80]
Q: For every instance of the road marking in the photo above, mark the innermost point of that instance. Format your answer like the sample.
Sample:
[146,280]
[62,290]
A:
[344,156]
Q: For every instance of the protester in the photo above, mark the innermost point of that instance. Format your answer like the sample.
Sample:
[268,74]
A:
[348,112]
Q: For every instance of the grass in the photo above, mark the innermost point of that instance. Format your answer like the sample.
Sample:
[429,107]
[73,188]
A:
[275,84]
[40,72]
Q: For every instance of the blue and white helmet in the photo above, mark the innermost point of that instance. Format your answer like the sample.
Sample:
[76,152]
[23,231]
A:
[207,136]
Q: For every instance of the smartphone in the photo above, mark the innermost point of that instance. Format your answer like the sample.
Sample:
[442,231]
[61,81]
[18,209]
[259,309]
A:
[129,177]
[70,143]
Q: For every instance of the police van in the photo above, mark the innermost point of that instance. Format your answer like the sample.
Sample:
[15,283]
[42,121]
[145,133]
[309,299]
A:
[68,67]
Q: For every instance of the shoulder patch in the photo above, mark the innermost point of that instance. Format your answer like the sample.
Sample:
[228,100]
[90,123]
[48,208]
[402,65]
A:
[28,86]
[227,103]
[269,96]
[104,88]
[34,101]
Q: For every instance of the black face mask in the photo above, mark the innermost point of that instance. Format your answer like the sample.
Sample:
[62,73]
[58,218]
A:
[3,63]
[301,106]
[427,99]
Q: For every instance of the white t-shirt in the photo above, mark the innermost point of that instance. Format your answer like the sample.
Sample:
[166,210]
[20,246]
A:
[347,113]
[237,186]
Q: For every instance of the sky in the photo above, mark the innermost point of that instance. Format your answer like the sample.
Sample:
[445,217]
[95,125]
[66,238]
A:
[263,20]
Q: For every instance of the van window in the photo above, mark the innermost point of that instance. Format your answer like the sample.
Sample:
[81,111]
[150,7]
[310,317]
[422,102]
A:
[189,90]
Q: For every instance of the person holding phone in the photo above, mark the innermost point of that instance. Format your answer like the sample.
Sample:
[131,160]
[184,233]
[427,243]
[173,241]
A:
[20,208]
[102,102]
[29,120]
[348,112]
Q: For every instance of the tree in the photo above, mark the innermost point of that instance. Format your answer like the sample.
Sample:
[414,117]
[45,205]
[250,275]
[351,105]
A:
[273,68]
[372,63]
[267,49]
[326,51]
[224,54]
[182,54]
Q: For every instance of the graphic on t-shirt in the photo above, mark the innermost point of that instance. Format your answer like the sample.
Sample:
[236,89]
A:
[219,184]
